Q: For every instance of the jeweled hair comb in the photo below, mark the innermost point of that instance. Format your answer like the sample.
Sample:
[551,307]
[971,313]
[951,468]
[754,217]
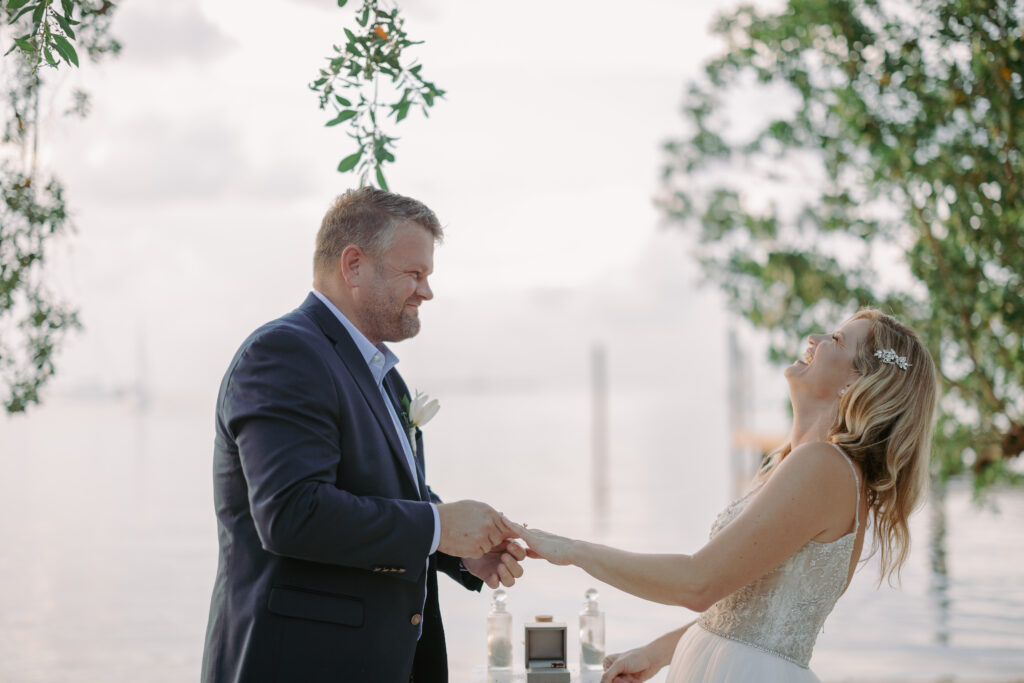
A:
[889,356]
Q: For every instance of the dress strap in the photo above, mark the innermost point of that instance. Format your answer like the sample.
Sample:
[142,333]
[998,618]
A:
[856,511]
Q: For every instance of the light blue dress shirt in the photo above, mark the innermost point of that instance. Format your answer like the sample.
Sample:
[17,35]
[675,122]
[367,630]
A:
[381,360]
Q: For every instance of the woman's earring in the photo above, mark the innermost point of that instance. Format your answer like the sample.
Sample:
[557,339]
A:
[842,391]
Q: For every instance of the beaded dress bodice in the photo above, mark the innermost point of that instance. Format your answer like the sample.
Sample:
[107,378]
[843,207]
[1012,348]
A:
[783,611]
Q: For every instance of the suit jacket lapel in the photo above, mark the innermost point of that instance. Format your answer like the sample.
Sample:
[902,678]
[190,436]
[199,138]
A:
[396,388]
[356,364]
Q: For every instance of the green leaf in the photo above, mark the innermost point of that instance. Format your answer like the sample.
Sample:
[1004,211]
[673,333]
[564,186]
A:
[50,59]
[13,5]
[66,49]
[60,51]
[23,12]
[349,162]
[69,7]
[383,184]
[402,109]
[37,13]
[341,3]
[64,24]
[342,101]
[343,116]
[25,45]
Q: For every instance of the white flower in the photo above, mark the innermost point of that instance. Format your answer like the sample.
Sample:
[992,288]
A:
[419,412]
[422,409]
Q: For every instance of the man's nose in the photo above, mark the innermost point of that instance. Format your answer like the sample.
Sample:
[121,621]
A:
[424,290]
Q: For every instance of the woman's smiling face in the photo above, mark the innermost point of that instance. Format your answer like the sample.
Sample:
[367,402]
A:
[827,364]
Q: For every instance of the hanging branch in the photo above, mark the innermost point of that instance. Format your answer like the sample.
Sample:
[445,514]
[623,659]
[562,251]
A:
[50,31]
[352,83]
[34,321]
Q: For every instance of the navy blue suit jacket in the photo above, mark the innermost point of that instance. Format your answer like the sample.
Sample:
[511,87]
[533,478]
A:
[323,532]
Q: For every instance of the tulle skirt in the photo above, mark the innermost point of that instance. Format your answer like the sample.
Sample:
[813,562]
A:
[703,657]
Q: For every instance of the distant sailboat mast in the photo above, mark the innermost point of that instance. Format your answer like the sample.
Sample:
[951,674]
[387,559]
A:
[140,390]
[740,390]
[599,437]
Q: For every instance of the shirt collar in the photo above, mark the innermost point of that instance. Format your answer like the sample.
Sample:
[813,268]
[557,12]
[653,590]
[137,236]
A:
[379,358]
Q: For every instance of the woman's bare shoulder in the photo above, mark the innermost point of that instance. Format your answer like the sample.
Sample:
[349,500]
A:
[821,461]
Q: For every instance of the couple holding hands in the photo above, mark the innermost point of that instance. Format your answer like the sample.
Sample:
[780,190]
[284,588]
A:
[331,541]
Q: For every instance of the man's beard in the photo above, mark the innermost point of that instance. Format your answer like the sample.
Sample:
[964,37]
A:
[388,319]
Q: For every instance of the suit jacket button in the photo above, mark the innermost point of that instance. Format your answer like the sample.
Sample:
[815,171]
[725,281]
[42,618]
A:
[416,619]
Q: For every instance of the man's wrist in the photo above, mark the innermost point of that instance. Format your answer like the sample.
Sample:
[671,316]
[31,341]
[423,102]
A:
[436,541]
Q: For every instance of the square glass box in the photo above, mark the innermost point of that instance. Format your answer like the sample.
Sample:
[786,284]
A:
[546,652]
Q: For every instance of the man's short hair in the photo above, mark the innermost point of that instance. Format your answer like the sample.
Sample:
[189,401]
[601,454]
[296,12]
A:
[367,218]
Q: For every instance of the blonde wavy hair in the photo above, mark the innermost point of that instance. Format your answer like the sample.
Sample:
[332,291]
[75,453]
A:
[884,423]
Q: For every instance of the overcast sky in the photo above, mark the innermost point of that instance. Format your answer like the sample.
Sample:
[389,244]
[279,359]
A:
[200,177]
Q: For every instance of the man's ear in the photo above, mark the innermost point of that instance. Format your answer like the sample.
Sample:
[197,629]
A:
[355,265]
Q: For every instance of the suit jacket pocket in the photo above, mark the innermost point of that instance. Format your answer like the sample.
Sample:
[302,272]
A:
[316,606]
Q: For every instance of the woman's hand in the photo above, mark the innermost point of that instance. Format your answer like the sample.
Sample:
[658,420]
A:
[554,549]
[629,667]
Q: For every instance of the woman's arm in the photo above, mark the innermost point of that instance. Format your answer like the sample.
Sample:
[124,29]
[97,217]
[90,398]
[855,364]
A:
[644,662]
[810,492]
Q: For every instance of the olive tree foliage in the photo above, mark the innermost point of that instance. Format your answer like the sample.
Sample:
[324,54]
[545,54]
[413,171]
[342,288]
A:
[842,154]
[37,36]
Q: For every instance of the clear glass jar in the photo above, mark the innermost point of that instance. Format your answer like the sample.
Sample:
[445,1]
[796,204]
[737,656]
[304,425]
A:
[591,634]
[499,634]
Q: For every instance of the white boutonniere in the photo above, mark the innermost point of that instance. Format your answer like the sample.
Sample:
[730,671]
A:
[418,412]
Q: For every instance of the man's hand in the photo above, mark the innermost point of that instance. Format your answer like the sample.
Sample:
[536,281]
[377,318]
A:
[470,528]
[499,565]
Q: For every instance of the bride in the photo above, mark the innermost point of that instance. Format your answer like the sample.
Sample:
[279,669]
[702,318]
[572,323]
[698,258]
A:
[779,557]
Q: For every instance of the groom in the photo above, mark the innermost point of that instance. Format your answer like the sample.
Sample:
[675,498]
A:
[330,538]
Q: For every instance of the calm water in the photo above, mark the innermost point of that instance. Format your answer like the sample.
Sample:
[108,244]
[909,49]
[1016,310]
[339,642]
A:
[110,550]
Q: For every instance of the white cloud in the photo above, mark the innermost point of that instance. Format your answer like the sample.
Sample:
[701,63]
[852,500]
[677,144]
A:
[161,32]
[162,160]
[159,160]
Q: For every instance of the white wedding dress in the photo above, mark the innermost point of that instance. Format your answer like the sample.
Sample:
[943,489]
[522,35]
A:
[765,631]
